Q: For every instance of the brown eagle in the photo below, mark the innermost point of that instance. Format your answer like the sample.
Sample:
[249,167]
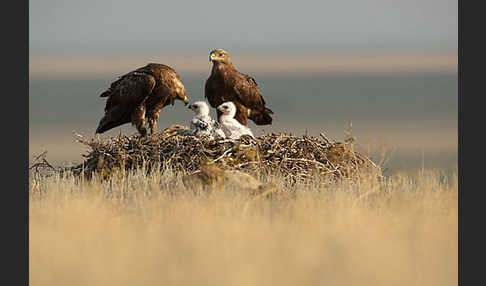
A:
[140,95]
[227,84]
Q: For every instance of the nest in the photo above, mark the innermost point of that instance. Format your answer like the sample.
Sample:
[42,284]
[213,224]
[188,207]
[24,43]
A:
[296,158]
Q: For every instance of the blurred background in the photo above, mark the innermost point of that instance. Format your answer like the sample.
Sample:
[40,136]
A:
[388,68]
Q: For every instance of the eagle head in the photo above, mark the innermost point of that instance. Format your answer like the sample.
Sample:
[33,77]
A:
[182,96]
[219,55]
[180,91]
[227,108]
[201,108]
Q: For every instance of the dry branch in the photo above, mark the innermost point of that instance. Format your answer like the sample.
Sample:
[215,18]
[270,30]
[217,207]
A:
[299,158]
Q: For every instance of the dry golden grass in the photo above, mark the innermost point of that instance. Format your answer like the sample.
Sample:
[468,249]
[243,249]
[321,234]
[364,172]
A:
[139,230]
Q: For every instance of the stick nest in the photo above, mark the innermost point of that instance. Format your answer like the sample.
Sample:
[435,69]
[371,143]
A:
[297,158]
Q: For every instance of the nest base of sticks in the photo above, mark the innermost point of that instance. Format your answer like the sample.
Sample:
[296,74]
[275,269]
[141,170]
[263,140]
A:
[297,158]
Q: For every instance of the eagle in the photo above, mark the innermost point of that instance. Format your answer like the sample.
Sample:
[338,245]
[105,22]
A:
[230,126]
[227,84]
[139,95]
[202,123]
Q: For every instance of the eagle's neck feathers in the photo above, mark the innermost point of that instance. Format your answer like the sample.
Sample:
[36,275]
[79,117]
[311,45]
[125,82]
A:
[221,69]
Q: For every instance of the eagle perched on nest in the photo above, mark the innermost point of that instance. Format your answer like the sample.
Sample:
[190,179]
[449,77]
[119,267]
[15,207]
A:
[139,96]
[227,84]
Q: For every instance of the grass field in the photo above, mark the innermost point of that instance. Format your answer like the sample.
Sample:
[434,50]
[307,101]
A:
[139,230]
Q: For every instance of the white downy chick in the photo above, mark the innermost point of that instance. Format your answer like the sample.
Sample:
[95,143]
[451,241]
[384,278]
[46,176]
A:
[230,126]
[202,124]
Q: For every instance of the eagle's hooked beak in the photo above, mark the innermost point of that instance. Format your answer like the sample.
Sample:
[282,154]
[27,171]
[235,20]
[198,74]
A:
[186,100]
[213,57]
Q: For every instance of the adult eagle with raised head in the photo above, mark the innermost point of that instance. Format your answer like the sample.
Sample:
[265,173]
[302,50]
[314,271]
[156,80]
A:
[138,96]
[227,84]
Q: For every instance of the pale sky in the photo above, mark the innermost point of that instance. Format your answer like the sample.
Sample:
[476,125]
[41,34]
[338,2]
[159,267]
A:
[94,26]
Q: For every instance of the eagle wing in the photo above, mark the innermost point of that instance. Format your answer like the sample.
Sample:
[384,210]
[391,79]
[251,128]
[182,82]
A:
[249,96]
[243,91]
[124,95]
[246,89]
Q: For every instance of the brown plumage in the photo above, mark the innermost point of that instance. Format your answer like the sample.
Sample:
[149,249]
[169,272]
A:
[138,96]
[227,84]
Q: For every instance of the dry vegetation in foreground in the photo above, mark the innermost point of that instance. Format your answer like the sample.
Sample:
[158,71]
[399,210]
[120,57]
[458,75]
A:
[153,229]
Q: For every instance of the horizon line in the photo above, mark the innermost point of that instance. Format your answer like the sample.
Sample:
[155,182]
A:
[328,63]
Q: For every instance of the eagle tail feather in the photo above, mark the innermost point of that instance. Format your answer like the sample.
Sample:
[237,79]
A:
[262,117]
[106,123]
